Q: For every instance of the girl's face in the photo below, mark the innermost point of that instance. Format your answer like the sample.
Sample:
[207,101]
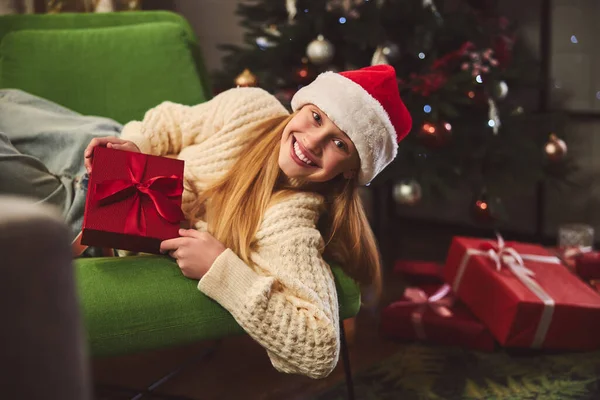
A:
[314,149]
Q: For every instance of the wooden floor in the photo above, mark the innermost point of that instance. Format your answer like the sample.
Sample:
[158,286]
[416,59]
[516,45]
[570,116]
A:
[238,368]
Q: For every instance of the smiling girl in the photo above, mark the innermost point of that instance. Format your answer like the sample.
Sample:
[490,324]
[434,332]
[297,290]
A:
[272,195]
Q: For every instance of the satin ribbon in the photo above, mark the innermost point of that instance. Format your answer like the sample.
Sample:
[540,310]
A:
[158,189]
[438,302]
[576,251]
[503,256]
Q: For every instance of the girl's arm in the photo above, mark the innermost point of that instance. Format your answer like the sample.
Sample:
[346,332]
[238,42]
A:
[288,302]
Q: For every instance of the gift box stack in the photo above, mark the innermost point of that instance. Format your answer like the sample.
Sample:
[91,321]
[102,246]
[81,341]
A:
[490,293]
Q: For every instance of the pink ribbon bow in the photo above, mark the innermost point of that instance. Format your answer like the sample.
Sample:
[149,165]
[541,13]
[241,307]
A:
[439,302]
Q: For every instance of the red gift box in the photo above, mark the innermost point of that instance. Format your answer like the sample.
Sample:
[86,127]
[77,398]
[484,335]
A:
[587,265]
[133,201]
[445,322]
[524,295]
[419,272]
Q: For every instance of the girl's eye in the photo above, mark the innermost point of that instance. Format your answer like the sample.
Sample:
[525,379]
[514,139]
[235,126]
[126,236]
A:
[317,117]
[340,144]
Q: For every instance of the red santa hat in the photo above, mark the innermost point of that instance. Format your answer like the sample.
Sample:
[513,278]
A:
[366,105]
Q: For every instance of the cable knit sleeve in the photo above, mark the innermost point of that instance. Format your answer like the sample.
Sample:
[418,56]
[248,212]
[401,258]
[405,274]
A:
[288,301]
[169,127]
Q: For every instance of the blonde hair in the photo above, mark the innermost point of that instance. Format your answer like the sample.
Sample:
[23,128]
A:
[239,200]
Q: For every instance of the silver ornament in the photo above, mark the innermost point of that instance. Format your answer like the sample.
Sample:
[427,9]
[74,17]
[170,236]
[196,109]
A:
[320,51]
[264,42]
[501,90]
[407,192]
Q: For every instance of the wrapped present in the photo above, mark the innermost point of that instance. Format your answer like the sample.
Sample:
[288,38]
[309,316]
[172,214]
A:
[133,201]
[419,272]
[587,265]
[432,314]
[523,294]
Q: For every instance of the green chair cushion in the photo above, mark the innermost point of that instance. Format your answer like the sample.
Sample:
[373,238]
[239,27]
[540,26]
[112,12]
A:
[102,71]
[134,304]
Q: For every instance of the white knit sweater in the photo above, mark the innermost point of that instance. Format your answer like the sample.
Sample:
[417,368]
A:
[288,301]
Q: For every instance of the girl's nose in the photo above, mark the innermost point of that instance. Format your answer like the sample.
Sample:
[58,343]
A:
[313,141]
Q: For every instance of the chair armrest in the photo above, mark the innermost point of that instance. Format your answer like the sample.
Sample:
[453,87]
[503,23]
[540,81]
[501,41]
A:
[134,304]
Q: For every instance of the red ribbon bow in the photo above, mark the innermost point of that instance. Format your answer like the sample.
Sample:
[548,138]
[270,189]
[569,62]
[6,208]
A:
[158,189]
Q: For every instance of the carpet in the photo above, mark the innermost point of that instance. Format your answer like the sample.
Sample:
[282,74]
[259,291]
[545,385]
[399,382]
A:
[435,373]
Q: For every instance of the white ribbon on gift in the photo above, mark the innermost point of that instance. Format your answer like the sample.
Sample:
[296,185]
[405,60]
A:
[515,262]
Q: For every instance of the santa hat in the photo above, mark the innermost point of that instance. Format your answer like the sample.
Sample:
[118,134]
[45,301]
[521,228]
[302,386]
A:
[366,105]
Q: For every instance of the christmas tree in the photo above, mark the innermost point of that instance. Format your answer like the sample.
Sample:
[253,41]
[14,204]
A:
[461,69]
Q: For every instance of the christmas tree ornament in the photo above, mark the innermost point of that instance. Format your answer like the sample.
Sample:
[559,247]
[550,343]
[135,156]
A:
[435,135]
[133,5]
[320,51]
[264,43]
[555,148]
[494,117]
[378,57]
[292,10]
[104,6]
[246,79]
[481,209]
[407,192]
[501,90]
[56,6]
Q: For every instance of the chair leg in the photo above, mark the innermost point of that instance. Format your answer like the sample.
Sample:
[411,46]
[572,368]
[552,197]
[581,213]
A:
[149,391]
[346,360]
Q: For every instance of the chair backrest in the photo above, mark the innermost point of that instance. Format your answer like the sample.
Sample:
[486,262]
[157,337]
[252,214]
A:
[68,91]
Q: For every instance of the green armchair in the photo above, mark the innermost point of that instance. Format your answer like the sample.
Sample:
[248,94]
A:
[119,65]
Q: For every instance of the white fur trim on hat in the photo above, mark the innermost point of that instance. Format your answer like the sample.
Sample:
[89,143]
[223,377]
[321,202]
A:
[358,115]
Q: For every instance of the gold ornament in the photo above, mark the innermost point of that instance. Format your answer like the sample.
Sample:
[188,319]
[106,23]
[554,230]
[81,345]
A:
[246,79]
[320,51]
[103,6]
[407,192]
[54,6]
[555,148]
[132,5]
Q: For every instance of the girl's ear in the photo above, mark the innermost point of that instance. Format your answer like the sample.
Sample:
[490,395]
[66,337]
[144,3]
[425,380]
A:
[349,174]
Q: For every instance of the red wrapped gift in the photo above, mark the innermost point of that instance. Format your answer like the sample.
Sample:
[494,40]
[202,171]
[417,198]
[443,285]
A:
[419,271]
[587,265]
[133,201]
[431,313]
[524,295]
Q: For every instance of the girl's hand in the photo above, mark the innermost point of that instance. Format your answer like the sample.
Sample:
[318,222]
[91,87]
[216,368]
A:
[111,142]
[194,251]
